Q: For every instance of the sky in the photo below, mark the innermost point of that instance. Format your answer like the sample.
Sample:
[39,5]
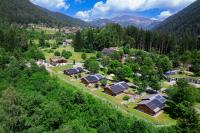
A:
[89,10]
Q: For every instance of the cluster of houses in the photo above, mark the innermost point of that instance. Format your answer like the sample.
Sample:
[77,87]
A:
[190,80]
[68,30]
[151,104]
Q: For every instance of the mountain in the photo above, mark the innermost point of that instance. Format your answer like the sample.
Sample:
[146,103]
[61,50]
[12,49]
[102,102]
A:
[101,22]
[126,20]
[185,21]
[24,12]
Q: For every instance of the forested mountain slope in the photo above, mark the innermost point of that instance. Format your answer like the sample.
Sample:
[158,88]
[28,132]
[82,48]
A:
[24,12]
[186,21]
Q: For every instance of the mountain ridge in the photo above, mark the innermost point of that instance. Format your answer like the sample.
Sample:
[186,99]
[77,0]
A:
[126,20]
[185,21]
[25,12]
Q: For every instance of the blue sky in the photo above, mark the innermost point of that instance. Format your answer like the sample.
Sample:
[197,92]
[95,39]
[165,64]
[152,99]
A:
[94,9]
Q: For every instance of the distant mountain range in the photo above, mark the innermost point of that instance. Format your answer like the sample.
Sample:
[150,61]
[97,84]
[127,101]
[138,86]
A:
[126,20]
[186,21]
[24,12]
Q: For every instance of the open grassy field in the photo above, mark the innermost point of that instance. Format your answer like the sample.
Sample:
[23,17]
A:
[162,120]
[75,55]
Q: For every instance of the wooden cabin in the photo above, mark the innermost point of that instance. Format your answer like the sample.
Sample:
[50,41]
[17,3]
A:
[73,71]
[116,89]
[151,104]
[108,51]
[92,79]
[57,61]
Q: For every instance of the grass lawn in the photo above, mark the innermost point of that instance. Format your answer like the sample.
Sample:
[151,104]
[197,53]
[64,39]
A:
[162,120]
[75,55]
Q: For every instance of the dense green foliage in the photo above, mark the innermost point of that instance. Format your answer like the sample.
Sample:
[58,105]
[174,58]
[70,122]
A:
[24,12]
[66,54]
[114,35]
[185,22]
[142,68]
[182,99]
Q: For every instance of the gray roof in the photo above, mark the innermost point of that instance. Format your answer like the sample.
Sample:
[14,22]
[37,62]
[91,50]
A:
[154,104]
[119,87]
[93,78]
[74,70]
[155,96]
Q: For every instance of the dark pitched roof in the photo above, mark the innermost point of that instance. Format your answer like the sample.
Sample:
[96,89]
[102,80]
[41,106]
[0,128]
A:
[74,71]
[107,51]
[155,96]
[154,102]
[93,78]
[118,87]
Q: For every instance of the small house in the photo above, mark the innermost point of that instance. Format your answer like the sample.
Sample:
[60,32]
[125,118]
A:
[152,104]
[92,79]
[116,89]
[173,72]
[73,71]
[107,51]
[57,61]
[67,42]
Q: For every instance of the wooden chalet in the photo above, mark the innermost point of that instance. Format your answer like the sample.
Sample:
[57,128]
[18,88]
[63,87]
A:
[116,89]
[107,51]
[57,61]
[152,104]
[92,79]
[73,71]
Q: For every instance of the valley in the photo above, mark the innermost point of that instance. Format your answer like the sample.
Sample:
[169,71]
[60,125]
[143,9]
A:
[84,67]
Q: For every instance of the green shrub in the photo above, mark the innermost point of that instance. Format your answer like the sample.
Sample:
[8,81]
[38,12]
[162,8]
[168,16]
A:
[126,98]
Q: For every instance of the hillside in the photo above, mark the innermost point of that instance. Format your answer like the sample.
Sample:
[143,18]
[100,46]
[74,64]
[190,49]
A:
[126,20]
[24,12]
[186,21]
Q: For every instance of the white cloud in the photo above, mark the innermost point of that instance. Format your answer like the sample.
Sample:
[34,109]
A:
[110,7]
[165,14]
[52,4]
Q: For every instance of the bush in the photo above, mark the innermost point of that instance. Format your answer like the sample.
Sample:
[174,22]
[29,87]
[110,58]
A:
[104,82]
[126,98]
[66,54]
[57,53]
[98,55]
[84,56]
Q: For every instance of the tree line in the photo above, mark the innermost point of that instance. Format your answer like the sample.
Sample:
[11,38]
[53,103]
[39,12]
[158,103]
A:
[113,35]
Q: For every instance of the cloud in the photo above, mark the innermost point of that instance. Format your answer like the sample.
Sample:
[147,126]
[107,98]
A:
[110,7]
[165,14]
[52,4]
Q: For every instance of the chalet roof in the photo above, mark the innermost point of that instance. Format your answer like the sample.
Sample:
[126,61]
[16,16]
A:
[109,50]
[155,102]
[93,78]
[155,96]
[74,70]
[155,105]
[57,58]
[119,87]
